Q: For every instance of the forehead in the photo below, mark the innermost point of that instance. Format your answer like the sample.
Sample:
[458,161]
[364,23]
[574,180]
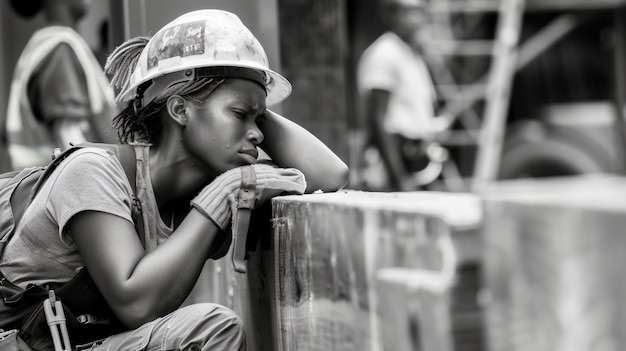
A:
[244,91]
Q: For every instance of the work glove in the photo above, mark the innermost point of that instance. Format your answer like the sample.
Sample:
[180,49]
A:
[218,200]
[237,191]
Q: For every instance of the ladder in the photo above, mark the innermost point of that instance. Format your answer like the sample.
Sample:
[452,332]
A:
[448,49]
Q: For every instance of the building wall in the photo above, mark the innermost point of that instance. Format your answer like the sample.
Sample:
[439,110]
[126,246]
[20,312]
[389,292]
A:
[314,56]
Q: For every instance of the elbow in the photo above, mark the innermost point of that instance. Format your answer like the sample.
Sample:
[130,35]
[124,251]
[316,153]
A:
[332,180]
[341,177]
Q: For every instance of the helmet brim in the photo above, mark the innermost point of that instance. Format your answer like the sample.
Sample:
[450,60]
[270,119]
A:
[277,87]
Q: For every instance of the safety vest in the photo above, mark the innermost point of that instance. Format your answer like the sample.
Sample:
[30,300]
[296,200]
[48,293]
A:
[30,143]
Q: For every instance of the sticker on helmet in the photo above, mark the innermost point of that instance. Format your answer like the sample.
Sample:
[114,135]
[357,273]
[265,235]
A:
[182,40]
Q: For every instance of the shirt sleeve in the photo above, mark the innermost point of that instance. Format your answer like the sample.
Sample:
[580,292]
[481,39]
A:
[377,70]
[58,87]
[89,181]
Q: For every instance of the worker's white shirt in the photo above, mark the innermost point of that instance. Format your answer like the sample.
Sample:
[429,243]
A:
[390,64]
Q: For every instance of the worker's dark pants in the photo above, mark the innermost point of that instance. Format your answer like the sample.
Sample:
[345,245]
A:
[413,153]
[197,327]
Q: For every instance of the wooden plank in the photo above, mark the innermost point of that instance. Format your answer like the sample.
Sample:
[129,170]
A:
[554,264]
[330,246]
[500,83]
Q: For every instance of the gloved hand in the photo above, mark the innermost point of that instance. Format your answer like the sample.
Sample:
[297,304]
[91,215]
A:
[273,181]
[218,200]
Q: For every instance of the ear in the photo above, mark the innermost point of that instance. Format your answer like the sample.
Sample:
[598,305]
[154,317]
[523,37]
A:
[177,108]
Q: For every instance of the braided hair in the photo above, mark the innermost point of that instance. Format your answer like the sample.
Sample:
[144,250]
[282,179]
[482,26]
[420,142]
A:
[144,125]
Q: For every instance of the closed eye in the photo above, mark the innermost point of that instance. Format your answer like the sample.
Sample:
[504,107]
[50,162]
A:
[241,114]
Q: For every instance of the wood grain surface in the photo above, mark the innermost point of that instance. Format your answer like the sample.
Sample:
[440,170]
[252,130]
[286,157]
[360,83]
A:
[329,248]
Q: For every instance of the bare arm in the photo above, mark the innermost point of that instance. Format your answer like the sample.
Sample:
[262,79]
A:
[290,145]
[140,287]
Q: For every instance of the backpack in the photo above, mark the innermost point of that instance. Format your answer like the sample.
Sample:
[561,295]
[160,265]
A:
[23,308]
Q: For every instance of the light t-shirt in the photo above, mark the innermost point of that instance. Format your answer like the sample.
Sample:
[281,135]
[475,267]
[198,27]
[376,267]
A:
[390,64]
[42,250]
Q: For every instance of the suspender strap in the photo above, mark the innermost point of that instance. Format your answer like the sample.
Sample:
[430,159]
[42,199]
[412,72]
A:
[241,217]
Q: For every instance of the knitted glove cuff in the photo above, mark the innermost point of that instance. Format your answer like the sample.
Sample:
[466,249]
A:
[271,178]
[216,200]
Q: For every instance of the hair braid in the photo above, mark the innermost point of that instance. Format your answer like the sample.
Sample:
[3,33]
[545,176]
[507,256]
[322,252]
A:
[122,61]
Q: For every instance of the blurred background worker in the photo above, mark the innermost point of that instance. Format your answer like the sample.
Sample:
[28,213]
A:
[59,93]
[399,96]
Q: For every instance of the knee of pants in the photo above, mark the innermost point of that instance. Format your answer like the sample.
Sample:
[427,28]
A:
[219,324]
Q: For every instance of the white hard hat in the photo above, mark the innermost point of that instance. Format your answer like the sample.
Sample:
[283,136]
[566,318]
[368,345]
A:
[203,43]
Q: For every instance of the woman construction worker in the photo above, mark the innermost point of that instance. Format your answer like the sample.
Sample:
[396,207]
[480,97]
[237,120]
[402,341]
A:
[193,102]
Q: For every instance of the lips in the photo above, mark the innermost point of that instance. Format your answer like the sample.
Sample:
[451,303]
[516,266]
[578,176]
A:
[252,152]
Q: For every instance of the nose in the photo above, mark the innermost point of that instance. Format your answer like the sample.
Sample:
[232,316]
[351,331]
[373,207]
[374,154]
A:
[255,135]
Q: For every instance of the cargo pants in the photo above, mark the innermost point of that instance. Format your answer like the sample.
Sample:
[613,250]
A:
[197,327]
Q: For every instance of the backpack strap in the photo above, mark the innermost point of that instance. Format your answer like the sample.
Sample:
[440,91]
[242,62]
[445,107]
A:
[124,152]
[241,217]
[57,158]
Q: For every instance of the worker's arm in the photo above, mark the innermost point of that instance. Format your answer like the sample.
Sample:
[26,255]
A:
[388,144]
[91,200]
[140,287]
[290,145]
